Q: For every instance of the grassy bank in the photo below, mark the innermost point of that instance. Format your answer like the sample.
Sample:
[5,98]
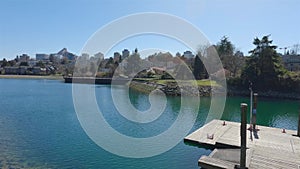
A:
[200,83]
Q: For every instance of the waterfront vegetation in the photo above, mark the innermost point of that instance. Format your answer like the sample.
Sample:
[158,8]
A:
[171,88]
[203,82]
[265,70]
[263,67]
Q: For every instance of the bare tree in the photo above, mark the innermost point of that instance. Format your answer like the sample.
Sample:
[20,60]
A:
[295,49]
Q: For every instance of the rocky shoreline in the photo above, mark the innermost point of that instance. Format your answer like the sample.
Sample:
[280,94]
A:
[174,90]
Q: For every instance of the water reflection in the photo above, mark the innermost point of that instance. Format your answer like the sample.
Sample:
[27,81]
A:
[39,127]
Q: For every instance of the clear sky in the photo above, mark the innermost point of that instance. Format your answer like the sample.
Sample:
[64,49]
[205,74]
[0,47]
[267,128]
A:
[46,26]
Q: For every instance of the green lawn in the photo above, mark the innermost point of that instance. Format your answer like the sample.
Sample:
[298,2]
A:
[205,82]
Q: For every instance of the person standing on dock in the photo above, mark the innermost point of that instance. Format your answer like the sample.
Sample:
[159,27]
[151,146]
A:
[251,107]
[254,111]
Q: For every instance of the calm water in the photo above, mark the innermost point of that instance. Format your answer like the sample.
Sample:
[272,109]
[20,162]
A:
[39,127]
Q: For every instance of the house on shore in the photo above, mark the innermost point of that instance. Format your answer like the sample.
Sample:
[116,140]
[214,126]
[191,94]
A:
[24,70]
[291,62]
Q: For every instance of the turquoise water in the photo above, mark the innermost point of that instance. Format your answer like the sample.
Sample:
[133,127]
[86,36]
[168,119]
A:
[39,127]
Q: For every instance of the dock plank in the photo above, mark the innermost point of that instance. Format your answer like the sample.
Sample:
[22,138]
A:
[209,162]
[215,127]
[296,145]
[268,148]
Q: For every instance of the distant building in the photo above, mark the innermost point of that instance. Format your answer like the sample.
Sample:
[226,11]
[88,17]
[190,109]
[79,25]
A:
[11,70]
[65,54]
[39,71]
[41,57]
[25,70]
[55,57]
[24,58]
[291,62]
[1,70]
[83,60]
[32,63]
[99,56]
[125,53]
[117,56]
[84,56]
[22,70]
[188,54]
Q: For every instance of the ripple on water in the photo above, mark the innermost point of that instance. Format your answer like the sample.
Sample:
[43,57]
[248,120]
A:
[39,128]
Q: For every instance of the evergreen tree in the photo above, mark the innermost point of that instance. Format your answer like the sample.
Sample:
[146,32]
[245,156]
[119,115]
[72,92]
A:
[225,47]
[264,66]
[199,69]
[4,63]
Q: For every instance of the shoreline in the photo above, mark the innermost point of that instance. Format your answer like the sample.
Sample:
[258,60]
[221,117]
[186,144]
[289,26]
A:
[266,94]
[206,91]
[147,88]
[171,90]
[48,77]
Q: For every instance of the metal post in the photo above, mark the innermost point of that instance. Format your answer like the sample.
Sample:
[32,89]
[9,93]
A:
[254,111]
[298,133]
[251,99]
[243,135]
[251,103]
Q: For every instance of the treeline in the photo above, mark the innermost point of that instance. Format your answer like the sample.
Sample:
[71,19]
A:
[263,68]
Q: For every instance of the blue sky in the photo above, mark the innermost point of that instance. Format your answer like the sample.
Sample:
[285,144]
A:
[44,26]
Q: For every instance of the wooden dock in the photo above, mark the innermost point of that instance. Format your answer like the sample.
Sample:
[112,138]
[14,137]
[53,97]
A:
[267,148]
[94,80]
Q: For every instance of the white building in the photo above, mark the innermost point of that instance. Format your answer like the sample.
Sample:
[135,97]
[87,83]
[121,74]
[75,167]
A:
[291,62]
[40,57]
[125,53]
[24,58]
[188,54]
[117,56]
[99,56]
[55,57]
[85,56]
[32,62]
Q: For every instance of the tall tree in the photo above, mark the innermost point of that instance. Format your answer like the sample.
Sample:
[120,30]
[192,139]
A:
[225,47]
[4,63]
[231,60]
[199,70]
[264,65]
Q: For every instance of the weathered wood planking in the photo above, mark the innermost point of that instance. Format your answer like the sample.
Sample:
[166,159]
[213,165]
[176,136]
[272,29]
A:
[268,148]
